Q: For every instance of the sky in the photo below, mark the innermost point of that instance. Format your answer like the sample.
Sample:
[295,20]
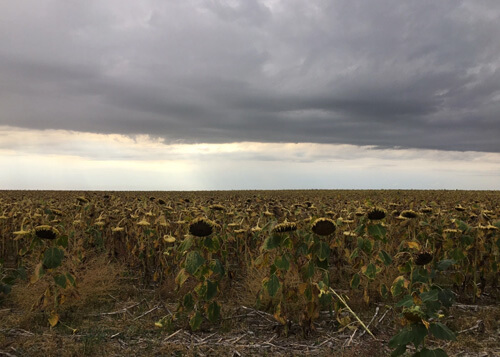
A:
[249,94]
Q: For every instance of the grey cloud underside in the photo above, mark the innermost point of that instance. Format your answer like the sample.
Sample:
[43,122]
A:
[388,73]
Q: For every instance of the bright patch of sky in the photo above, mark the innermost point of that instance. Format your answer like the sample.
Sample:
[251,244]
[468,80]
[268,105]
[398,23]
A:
[59,159]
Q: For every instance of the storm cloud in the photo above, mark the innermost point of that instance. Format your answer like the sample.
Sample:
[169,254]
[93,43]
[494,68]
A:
[387,74]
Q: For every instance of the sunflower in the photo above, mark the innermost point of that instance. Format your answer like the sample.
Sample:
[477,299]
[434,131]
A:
[323,226]
[423,258]
[46,232]
[376,214]
[167,238]
[217,207]
[201,227]
[285,227]
[409,214]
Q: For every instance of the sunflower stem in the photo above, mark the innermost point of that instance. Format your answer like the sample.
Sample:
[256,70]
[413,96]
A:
[353,313]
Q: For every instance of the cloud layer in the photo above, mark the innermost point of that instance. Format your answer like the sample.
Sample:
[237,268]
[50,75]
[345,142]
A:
[59,159]
[387,73]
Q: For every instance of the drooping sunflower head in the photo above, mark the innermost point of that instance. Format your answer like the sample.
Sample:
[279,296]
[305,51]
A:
[285,227]
[46,232]
[376,214]
[201,227]
[409,214]
[423,258]
[217,207]
[82,200]
[323,226]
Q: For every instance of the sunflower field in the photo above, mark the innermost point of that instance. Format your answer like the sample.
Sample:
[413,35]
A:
[309,271]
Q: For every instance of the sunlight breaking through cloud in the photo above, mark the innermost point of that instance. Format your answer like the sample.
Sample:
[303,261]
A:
[61,159]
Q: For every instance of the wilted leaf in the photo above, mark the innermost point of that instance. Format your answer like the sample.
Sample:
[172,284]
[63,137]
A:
[195,321]
[53,318]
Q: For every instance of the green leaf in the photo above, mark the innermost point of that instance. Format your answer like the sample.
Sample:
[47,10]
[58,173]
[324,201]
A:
[195,321]
[60,280]
[406,301]
[419,331]
[323,251]
[354,254]
[193,261]
[431,295]
[385,257]
[211,289]
[71,279]
[446,297]
[188,302]
[52,258]
[355,281]
[272,242]
[445,264]
[211,244]
[273,284]
[217,267]
[466,240]
[431,353]
[282,263]
[360,229]
[462,225]
[62,241]
[186,244]
[213,311]
[371,271]
[181,277]
[308,270]
[384,292]
[399,351]
[377,231]
[402,338]
[397,286]
[365,245]
[441,331]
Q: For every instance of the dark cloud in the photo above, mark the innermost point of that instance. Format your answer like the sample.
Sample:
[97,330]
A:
[389,73]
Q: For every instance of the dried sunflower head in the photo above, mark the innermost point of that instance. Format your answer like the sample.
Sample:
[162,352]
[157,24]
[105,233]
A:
[46,232]
[409,214]
[167,238]
[323,226]
[201,227]
[217,207]
[488,227]
[143,222]
[376,214]
[423,258]
[413,314]
[285,227]
[82,200]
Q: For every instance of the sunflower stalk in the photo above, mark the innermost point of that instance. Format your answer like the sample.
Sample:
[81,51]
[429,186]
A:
[353,313]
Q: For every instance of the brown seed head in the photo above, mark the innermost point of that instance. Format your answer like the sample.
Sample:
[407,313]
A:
[423,258]
[376,214]
[409,214]
[46,232]
[285,227]
[201,227]
[323,226]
